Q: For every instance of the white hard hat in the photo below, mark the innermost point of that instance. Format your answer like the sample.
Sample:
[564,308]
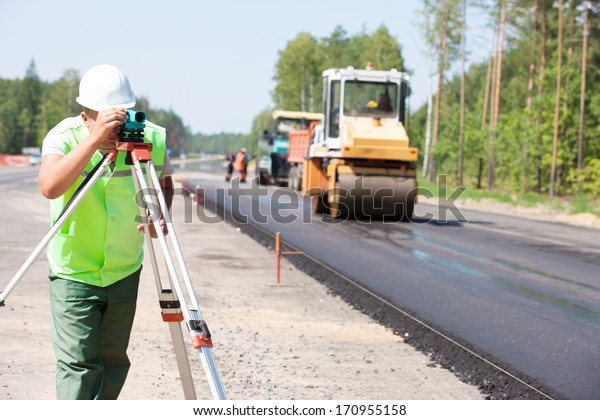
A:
[105,86]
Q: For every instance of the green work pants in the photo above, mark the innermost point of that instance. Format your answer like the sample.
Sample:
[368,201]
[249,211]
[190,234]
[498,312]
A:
[90,331]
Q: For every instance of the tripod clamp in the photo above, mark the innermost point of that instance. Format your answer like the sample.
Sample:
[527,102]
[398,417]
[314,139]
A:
[171,312]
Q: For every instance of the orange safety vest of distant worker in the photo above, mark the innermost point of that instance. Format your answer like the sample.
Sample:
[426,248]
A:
[240,160]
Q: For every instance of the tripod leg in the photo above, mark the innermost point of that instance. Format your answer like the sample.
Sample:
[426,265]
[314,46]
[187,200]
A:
[171,311]
[67,211]
[198,328]
[182,361]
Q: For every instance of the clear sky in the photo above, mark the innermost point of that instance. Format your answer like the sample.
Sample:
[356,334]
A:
[211,62]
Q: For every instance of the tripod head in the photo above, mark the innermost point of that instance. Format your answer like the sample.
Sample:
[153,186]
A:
[133,129]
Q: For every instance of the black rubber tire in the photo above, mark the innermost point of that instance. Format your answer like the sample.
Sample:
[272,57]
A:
[264,178]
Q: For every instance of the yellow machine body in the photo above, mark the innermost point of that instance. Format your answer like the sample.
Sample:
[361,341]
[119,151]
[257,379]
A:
[369,168]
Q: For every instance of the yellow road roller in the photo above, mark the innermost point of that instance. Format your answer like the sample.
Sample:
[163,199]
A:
[359,162]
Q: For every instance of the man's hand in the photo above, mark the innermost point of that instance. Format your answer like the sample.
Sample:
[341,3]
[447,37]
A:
[104,126]
[153,234]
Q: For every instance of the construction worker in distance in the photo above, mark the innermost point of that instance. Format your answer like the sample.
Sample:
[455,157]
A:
[96,257]
[241,163]
[229,161]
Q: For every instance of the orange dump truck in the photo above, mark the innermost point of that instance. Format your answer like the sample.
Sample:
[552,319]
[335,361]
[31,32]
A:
[297,153]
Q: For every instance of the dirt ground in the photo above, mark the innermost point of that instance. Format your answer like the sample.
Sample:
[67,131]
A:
[294,340]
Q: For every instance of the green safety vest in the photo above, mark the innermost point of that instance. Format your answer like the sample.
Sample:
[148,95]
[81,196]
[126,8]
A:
[99,244]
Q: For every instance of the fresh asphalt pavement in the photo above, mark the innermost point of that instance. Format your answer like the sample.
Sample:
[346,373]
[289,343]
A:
[521,294]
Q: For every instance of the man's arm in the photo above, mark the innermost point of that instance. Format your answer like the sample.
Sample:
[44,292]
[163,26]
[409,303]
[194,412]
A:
[58,173]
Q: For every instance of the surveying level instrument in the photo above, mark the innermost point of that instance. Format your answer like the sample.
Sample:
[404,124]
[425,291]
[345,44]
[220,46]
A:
[176,303]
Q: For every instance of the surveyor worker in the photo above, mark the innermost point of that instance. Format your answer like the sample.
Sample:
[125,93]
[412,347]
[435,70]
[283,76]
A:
[95,258]
[241,163]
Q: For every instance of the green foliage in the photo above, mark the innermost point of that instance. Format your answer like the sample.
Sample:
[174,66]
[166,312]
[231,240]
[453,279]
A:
[301,64]
[20,111]
[582,204]
[589,177]
[59,102]
[382,49]
[336,49]
[523,146]
[29,108]
[9,111]
[262,122]
[522,150]
[221,143]
[529,199]
[298,74]
[178,134]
